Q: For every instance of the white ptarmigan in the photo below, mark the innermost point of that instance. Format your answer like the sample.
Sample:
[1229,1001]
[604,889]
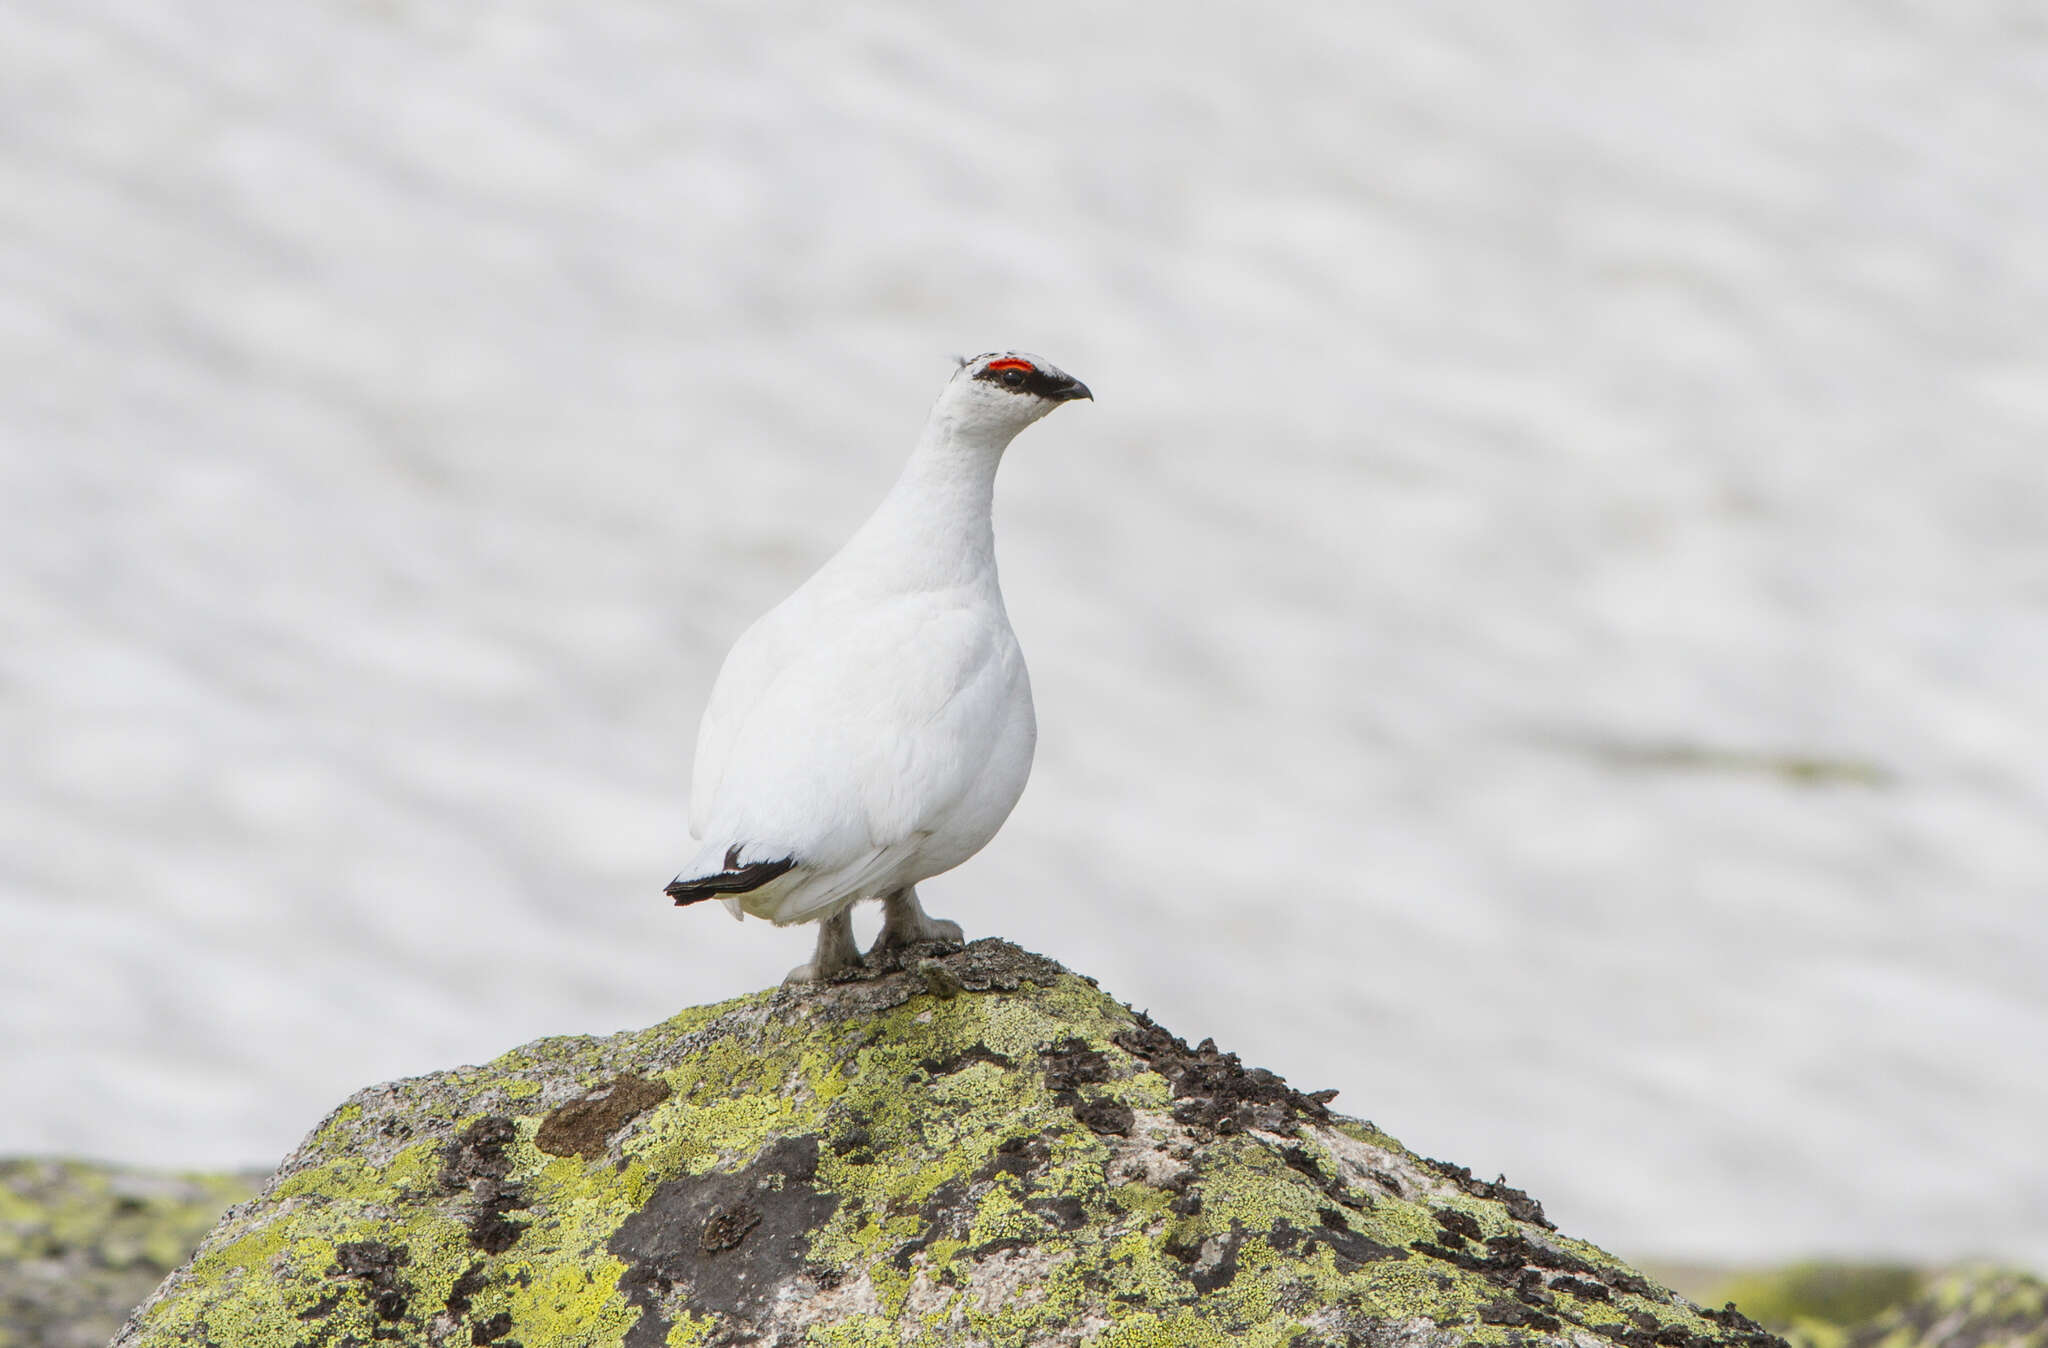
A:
[875,728]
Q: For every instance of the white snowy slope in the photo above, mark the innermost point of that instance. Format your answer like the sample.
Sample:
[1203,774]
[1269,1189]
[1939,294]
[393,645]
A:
[1543,630]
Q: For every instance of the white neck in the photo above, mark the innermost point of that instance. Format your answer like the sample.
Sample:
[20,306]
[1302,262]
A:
[935,527]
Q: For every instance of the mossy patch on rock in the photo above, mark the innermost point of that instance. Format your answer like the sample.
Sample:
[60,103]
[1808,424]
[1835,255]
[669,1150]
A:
[1819,1292]
[81,1243]
[1972,1308]
[973,1147]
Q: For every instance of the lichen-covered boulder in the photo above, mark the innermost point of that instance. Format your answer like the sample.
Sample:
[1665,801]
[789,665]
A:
[978,1148]
[1976,1308]
[80,1243]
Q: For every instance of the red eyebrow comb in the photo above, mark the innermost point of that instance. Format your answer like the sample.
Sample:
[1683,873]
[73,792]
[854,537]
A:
[1013,364]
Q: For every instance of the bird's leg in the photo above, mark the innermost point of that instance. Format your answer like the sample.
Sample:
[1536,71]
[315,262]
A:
[836,951]
[904,922]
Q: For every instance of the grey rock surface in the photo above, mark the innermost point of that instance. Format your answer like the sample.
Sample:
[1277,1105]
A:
[974,1147]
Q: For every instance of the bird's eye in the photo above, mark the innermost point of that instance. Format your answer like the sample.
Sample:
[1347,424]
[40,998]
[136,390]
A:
[1012,371]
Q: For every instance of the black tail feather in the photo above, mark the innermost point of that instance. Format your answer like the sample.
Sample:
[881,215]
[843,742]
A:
[733,880]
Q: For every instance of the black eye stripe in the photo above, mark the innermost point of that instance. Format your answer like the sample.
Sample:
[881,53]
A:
[1014,380]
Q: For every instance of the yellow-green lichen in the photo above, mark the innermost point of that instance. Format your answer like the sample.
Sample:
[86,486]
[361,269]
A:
[1008,1167]
[1178,1328]
[1968,1308]
[1828,1294]
[81,1243]
[569,1303]
[856,1331]
[690,1331]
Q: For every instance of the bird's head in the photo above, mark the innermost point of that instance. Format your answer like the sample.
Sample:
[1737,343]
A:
[1002,392]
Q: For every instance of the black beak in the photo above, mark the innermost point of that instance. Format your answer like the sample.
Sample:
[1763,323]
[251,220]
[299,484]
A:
[1072,390]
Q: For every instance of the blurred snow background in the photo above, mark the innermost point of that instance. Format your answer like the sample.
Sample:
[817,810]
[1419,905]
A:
[1545,630]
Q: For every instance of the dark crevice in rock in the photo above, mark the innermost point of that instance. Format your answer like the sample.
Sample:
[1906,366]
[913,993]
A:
[1506,1311]
[1639,1334]
[1727,1316]
[1107,1117]
[725,1228]
[1457,1227]
[1299,1159]
[376,1265]
[727,1242]
[857,1145]
[1214,1261]
[1518,1266]
[998,1246]
[1062,1212]
[477,1158]
[490,1230]
[1022,1156]
[1217,1091]
[1349,1247]
[973,1053]
[1073,1063]
[479,1152]
[944,1214]
[1519,1205]
[471,1282]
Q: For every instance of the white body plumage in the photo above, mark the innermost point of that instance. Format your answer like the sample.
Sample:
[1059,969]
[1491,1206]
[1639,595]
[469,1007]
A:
[876,727]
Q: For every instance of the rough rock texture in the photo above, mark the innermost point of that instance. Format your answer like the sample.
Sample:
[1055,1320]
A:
[81,1243]
[1982,1308]
[975,1148]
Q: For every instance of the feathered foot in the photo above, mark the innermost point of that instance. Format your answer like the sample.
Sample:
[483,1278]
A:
[905,922]
[836,951]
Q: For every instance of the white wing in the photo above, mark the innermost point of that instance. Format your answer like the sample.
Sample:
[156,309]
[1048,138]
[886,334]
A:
[763,651]
[836,747]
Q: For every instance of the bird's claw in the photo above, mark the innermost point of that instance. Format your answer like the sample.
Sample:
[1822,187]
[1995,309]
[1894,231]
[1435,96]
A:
[808,972]
[897,936]
[836,953]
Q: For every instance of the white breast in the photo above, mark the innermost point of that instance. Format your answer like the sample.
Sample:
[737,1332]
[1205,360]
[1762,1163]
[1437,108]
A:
[879,743]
